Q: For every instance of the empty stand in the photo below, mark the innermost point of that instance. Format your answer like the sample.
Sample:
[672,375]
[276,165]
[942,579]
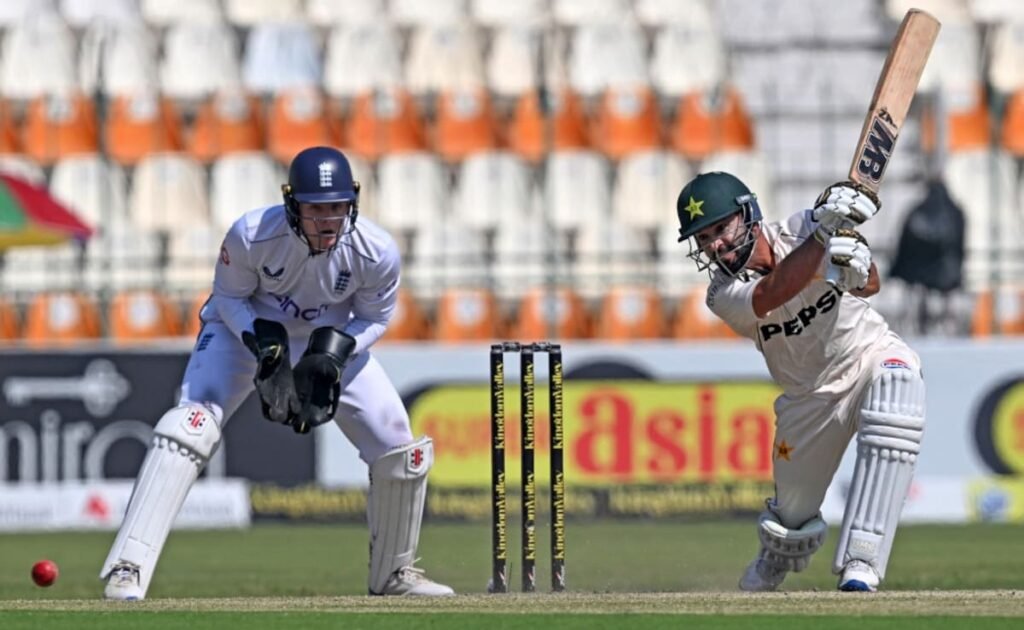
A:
[118,59]
[630,312]
[532,132]
[627,121]
[966,126]
[559,313]
[419,13]
[140,124]
[688,57]
[23,167]
[1006,49]
[583,12]
[241,182]
[31,269]
[260,12]
[81,13]
[443,57]
[608,253]
[191,257]
[300,118]
[58,126]
[62,317]
[646,188]
[465,124]
[362,57]
[280,56]
[494,188]
[42,41]
[467,315]
[10,322]
[408,322]
[230,122]
[384,121]
[497,13]
[1011,135]
[199,58]
[694,320]
[165,13]
[607,55]
[169,192]
[142,315]
[706,122]
[344,12]
[577,189]
[413,191]
[95,189]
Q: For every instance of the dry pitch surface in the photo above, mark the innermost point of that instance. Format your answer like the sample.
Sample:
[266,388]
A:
[995,603]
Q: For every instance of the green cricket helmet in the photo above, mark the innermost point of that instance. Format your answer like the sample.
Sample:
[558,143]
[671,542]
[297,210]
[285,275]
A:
[708,199]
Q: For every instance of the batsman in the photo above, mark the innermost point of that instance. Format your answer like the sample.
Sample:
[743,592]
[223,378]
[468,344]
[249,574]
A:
[301,292]
[798,289]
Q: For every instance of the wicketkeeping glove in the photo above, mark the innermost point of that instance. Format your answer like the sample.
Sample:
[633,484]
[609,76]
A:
[274,383]
[849,260]
[318,376]
[845,204]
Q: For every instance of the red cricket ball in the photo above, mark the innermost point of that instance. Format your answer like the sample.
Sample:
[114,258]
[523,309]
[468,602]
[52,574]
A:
[44,572]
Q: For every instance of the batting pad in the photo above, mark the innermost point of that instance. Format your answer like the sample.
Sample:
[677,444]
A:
[183,441]
[790,548]
[398,488]
[888,441]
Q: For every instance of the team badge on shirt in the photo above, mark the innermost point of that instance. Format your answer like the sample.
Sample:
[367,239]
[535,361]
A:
[895,364]
[341,282]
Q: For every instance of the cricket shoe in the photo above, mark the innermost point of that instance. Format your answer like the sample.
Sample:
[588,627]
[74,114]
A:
[411,581]
[762,576]
[123,583]
[858,576]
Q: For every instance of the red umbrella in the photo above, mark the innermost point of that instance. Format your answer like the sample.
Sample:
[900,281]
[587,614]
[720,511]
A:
[29,215]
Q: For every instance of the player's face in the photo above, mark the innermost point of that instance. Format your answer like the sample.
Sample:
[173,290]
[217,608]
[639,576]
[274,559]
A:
[322,223]
[720,241]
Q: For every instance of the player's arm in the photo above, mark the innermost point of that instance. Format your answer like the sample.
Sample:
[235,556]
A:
[873,286]
[374,303]
[788,278]
[234,280]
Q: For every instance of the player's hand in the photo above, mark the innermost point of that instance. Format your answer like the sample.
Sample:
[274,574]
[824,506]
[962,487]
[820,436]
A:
[849,260]
[274,383]
[318,376]
[845,205]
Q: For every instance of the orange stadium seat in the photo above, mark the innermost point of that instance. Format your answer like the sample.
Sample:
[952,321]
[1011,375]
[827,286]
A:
[227,123]
[61,317]
[382,122]
[694,320]
[300,118]
[467,315]
[561,315]
[140,124]
[527,131]
[57,126]
[409,322]
[1012,134]
[967,127]
[629,312]
[465,124]
[10,327]
[9,141]
[699,128]
[141,315]
[627,121]
[1001,314]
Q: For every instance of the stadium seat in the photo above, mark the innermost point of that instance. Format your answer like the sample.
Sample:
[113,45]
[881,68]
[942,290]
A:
[230,122]
[694,320]
[689,13]
[61,317]
[281,57]
[493,188]
[627,121]
[999,312]
[528,131]
[17,165]
[967,126]
[241,182]
[40,40]
[1012,133]
[607,55]
[57,126]
[527,254]
[247,13]
[142,315]
[117,59]
[164,13]
[9,141]
[1006,49]
[688,57]
[300,118]
[362,57]
[577,189]
[81,13]
[583,12]
[675,272]
[419,13]
[467,315]
[500,13]
[996,11]
[382,122]
[708,122]
[10,323]
[124,257]
[444,57]
[191,257]
[332,13]
[608,253]
[955,61]
[199,59]
[751,167]
[511,65]
[139,125]
[35,268]
[465,124]
[413,191]
[646,188]
[557,314]
[443,254]
[12,11]
[169,192]
[93,188]
[630,312]
[408,322]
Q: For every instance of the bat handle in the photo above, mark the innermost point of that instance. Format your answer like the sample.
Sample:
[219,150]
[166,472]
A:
[832,274]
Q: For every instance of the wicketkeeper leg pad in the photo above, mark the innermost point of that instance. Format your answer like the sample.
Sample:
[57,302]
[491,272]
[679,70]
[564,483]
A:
[789,549]
[183,441]
[888,442]
[398,490]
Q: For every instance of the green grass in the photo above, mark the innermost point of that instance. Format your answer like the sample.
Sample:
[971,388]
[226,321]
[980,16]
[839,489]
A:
[305,576]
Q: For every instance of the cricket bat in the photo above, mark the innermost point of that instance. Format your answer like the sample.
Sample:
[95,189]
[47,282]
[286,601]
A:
[894,91]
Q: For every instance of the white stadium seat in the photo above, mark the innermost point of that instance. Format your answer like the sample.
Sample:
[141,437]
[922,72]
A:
[955,62]
[444,57]
[512,63]
[752,168]
[93,188]
[122,57]
[31,269]
[12,11]
[279,56]
[607,55]
[254,12]
[443,255]
[687,57]
[80,13]
[43,42]
[610,253]
[123,257]
[582,12]
[1006,72]
[527,254]
[413,191]
[362,57]
[420,13]
[345,12]
[499,13]
[240,182]
[646,189]
[191,257]
[167,12]
[657,13]
[199,58]
[576,189]
[996,11]
[169,191]
[493,188]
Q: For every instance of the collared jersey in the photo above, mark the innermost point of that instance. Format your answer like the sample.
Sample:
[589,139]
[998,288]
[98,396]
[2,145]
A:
[813,342]
[265,270]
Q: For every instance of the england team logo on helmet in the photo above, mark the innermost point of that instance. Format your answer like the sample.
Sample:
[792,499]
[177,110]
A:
[326,175]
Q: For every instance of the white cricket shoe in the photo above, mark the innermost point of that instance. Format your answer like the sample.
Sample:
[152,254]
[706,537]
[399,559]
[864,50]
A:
[762,576]
[411,581]
[859,576]
[123,583]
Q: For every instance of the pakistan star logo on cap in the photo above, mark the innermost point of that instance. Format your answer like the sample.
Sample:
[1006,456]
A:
[694,208]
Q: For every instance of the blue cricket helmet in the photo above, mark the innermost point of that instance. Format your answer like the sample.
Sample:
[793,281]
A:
[320,175]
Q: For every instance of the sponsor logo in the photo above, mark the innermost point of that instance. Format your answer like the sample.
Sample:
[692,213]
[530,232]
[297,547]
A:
[100,388]
[805,317]
[272,275]
[288,306]
[894,363]
[195,421]
[877,147]
[341,282]
[326,175]
[204,342]
[416,459]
